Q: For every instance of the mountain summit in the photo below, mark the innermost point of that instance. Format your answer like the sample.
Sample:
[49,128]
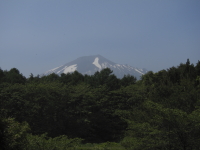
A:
[91,64]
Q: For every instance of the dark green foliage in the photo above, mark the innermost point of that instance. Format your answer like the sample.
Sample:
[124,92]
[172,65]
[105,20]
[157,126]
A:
[197,68]
[1,75]
[160,111]
[99,78]
[167,119]
[2,134]
[72,78]
[13,134]
[128,80]
[13,76]
[49,78]
[43,142]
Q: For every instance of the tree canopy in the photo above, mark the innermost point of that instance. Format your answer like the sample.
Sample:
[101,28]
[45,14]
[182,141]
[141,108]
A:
[160,111]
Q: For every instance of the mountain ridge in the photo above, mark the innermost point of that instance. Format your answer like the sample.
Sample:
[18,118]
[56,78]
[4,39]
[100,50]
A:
[91,64]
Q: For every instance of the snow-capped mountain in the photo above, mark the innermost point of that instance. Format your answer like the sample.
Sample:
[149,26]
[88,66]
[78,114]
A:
[91,64]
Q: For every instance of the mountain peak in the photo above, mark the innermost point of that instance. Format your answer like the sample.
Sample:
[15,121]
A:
[91,64]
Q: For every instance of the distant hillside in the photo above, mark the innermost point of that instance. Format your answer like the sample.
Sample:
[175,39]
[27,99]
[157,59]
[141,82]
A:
[90,64]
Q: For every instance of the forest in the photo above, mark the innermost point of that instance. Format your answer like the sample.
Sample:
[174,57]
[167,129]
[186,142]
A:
[160,111]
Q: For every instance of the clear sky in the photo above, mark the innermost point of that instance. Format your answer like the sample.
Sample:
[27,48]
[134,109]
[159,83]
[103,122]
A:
[38,35]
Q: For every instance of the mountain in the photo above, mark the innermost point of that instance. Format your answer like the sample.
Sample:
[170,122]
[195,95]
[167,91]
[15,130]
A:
[91,64]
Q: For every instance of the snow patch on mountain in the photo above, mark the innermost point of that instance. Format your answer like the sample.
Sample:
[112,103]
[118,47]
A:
[96,63]
[69,69]
[56,68]
[139,71]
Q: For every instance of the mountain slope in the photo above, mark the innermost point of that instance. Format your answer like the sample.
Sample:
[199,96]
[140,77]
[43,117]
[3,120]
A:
[90,64]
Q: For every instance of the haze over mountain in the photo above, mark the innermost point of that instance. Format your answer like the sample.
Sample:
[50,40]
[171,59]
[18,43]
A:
[91,64]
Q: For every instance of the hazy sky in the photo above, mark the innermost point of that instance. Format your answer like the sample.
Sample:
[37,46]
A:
[38,35]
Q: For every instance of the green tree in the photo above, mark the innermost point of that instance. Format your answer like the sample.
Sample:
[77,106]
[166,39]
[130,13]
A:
[162,128]
[14,76]
[128,80]
[13,134]
[1,75]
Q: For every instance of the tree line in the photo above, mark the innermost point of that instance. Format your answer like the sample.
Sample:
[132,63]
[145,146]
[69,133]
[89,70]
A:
[159,111]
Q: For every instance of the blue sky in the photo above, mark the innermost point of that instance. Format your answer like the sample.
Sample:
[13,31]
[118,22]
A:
[38,35]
